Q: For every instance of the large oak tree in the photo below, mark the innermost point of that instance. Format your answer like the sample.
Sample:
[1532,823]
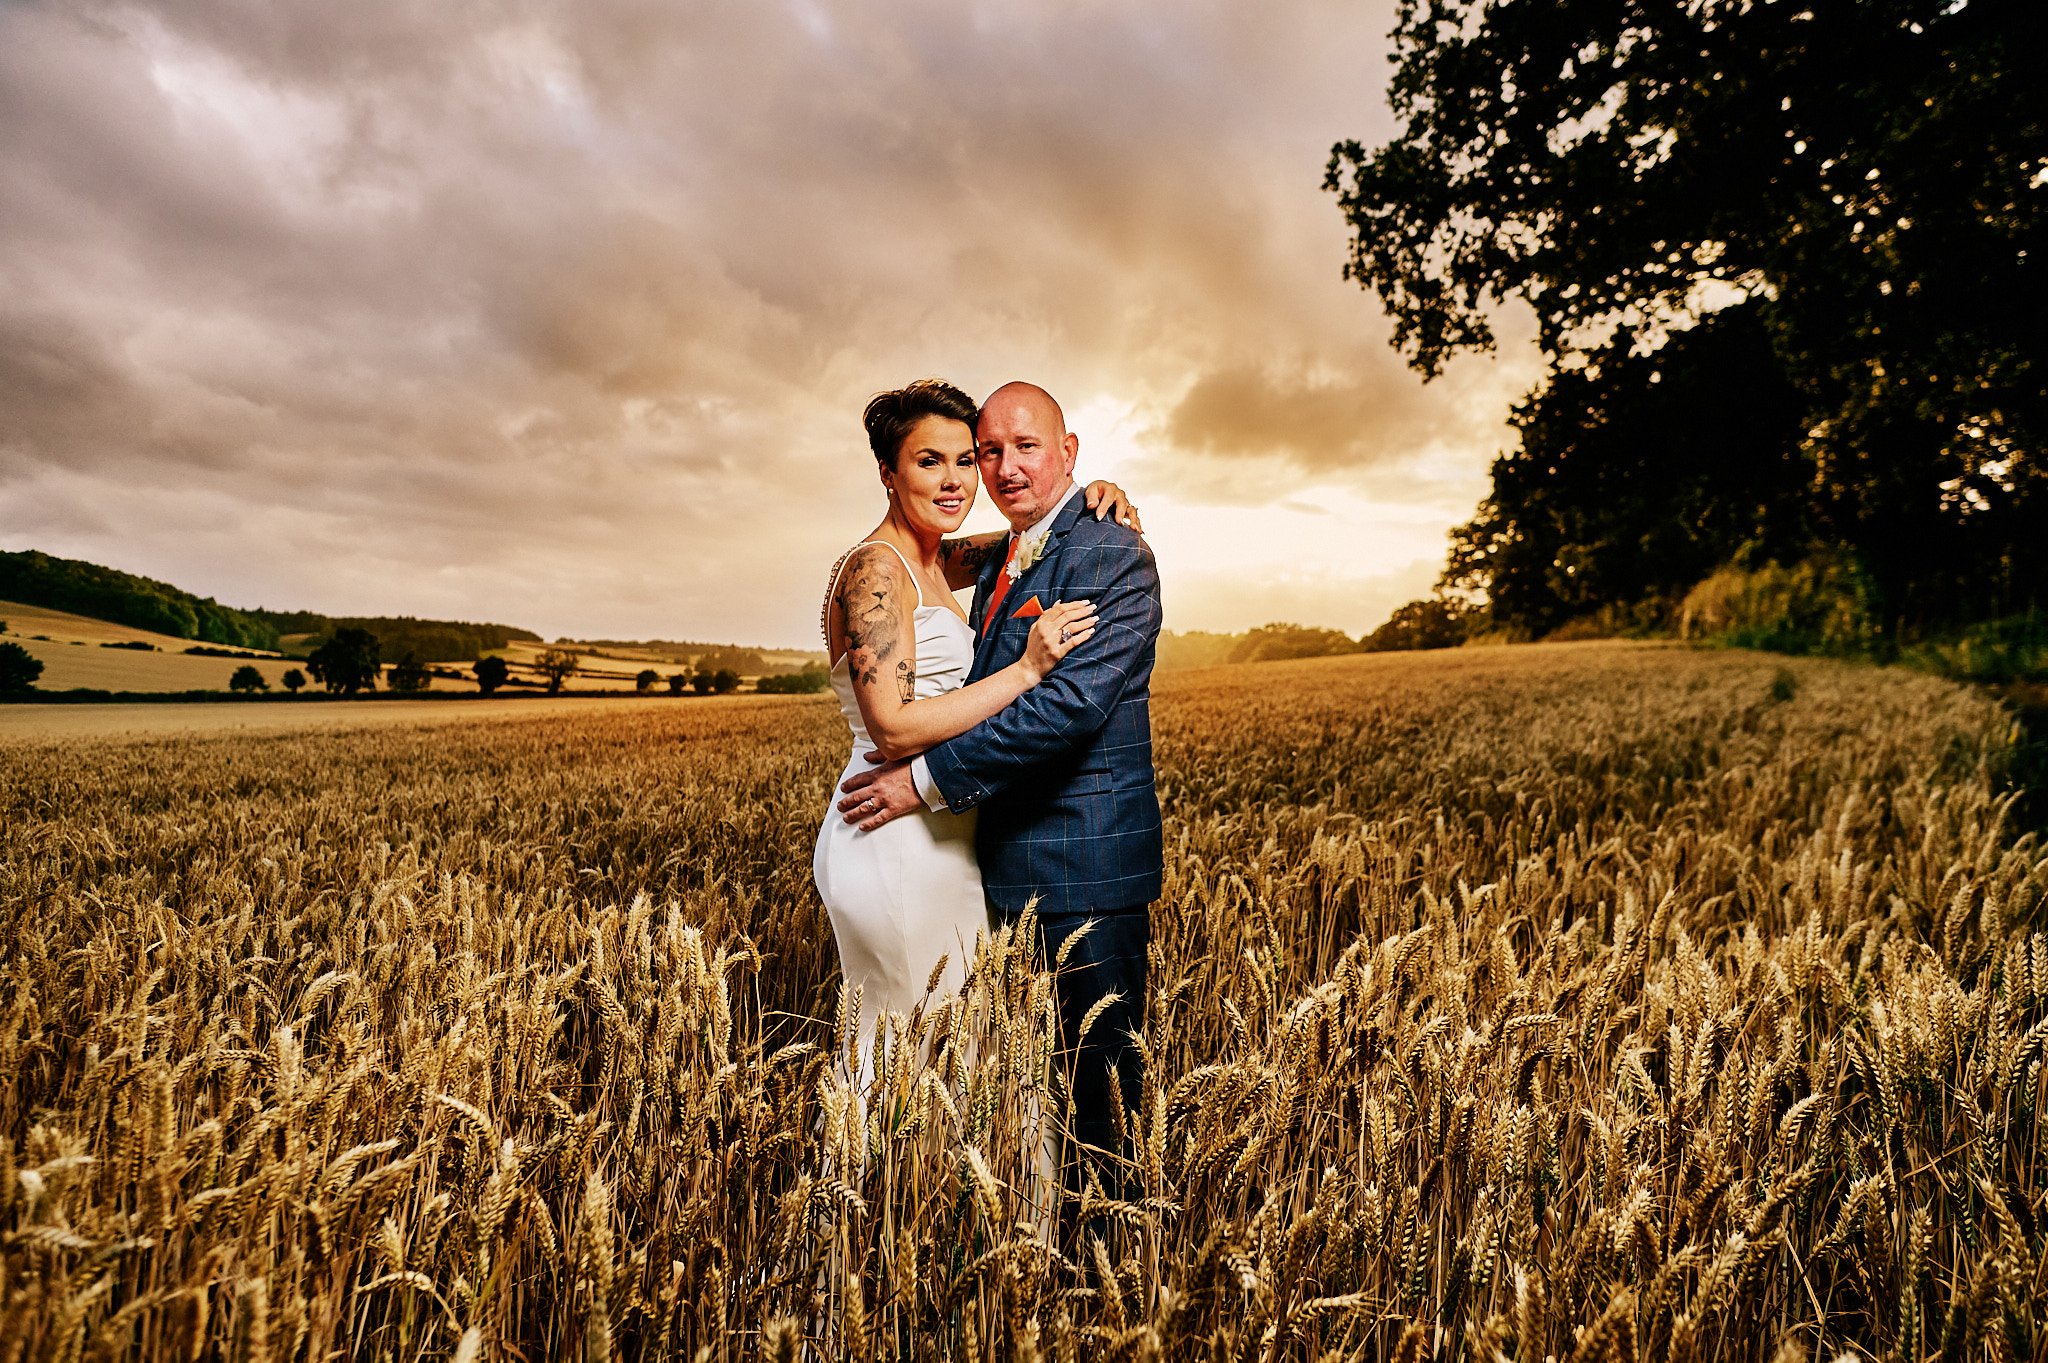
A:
[1867,179]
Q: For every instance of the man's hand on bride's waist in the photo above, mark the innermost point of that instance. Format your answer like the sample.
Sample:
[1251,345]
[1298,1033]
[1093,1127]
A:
[873,798]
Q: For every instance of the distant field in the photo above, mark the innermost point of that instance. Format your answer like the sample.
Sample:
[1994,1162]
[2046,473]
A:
[664,660]
[227,717]
[600,672]
[72,655]
[72,658]
[616,670]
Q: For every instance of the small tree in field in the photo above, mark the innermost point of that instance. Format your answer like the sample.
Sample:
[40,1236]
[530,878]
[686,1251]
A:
[646,680]
[18,670]
[677,682]
[724,681]
[558,665]
[701,683]
[409,674]
[348,662]
[248,680]
[491,673]
[294,681]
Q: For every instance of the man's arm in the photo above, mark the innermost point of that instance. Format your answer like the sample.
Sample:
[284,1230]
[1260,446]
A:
[1074,701]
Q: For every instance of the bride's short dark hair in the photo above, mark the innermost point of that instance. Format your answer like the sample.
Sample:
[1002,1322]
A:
[891,415]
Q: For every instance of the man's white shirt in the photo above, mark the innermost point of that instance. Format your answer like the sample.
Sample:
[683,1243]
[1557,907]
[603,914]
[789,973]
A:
[920,772]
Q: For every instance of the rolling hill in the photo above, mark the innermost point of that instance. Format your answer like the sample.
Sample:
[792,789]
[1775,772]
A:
[100,628]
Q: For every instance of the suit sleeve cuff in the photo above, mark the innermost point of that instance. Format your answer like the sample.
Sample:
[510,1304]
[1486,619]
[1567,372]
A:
[927,789]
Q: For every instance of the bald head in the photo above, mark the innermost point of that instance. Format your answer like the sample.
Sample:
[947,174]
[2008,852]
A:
[1025,452]
[1030,399]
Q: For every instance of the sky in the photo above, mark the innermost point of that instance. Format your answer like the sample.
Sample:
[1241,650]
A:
[562,314]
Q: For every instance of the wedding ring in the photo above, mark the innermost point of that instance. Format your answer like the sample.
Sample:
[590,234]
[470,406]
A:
[1063,635]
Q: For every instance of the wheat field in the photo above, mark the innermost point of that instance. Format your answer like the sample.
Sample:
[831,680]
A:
[1594,1001]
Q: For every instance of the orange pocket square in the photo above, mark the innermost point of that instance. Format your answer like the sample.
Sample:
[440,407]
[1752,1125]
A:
[1027,610]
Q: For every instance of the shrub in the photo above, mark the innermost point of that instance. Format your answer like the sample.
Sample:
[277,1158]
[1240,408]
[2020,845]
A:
[2011,649]
[139,645]
[410,675]
[1819,605]
[725,681]
[294,681]
[812,679]
[491,673]
[646,680]
[1617,620]
[677,682]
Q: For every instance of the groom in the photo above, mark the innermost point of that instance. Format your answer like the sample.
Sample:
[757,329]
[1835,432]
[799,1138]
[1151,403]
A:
[1063,777]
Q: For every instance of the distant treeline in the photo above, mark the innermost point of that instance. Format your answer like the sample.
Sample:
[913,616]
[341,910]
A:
[440,641]
[38,579]
[748,662]
[1441,623]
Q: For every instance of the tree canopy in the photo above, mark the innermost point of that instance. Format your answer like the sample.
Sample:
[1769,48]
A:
[19,669]
[38,579]
[348,662]
[1638,475]
[558,665]
[1439,622]
[1866,181]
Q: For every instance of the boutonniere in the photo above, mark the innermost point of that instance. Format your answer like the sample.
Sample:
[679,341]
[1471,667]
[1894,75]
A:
[1029,550]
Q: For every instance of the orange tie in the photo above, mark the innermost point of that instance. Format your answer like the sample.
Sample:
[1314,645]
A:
[995,600]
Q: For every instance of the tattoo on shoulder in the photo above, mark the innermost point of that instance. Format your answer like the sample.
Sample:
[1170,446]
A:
[872,608]
[906,680]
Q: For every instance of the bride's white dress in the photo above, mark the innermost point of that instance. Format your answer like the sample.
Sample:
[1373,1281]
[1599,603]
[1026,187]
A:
[909,892]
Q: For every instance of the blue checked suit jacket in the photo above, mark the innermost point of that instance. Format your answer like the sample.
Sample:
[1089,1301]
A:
[1063,776]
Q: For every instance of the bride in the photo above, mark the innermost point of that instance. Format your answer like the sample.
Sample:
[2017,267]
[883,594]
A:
[905,894]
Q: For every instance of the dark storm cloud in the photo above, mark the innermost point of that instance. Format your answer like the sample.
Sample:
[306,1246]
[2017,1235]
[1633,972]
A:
[1322,421]
[565,312]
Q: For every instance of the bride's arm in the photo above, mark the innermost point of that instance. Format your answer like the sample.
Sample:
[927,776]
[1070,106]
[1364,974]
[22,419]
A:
[963,558]
[874,603]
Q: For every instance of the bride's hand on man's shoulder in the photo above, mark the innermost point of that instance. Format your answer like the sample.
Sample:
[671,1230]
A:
[1106,499]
